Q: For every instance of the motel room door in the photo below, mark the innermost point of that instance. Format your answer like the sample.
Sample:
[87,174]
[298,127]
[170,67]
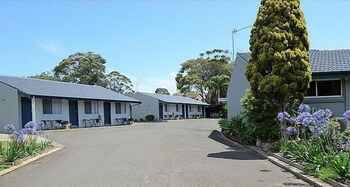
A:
[26,110]
[107,113]
[160,111]
[73,113]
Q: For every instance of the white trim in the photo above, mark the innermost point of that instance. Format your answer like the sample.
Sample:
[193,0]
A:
[328,96]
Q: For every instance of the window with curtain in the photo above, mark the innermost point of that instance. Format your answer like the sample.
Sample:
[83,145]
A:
[47,106]
[57,106]
[118,108]
[88,107]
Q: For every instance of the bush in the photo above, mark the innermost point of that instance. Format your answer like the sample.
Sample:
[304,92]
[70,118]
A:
[265,125]
[150,117]
[236,128]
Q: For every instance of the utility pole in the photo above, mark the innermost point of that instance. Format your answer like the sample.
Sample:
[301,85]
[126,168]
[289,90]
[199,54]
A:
[235,31]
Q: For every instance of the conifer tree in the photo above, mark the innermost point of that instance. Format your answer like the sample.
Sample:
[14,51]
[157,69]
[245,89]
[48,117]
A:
[279,71]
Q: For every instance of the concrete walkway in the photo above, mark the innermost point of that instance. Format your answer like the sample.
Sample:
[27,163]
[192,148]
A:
[176,153]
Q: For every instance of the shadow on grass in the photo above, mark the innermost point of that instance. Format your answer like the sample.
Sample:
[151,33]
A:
[237,153]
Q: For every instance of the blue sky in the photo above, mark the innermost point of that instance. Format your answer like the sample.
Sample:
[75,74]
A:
[146,40]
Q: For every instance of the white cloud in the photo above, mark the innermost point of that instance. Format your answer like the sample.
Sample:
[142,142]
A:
[150,84]
[53,48]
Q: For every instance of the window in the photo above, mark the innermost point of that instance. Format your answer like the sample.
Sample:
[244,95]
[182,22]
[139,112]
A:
[177,108]
[47,106]
[323,88]
[118,108]
[166,108]
[57,106]
[52,106]
[88,107]
[199,108]
[190,108]
[124,108]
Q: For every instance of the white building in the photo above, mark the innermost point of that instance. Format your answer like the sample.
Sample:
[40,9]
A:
[167,107]
[54,103]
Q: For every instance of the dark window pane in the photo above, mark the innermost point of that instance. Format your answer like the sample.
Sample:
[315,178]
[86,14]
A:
[312,90]
[118,108]
[88,107]
[47,106]
[329,88]
[166,108]
[199,108]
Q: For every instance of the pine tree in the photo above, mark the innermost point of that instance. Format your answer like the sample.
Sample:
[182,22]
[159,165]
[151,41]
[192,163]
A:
[279,72]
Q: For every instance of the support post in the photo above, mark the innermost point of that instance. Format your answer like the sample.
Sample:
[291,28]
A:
[33,109]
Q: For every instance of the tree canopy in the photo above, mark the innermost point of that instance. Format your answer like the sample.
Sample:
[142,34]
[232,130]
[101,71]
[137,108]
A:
[279,71]
[83,68]
[88,68]
[201,75]
[163,91]
[119,83]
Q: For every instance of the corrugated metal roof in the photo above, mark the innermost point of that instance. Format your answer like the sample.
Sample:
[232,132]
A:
[175,99]
[323,61]
[37,87]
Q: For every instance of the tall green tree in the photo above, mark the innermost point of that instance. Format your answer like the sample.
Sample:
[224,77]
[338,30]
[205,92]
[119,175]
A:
[195,74]
[84,68]
[48,75]
[88,68]
[119,83]
[279,71]
[219,84]
[163,91]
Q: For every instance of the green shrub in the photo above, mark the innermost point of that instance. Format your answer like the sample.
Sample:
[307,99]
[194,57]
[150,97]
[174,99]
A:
[150,117]
[265,125]
[341,165]
[237,128]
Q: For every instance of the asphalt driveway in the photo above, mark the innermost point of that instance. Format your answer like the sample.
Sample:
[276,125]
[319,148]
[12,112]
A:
[176,153]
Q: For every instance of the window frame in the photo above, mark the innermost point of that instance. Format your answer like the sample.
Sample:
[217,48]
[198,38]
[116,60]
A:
[118,109]
[50,112]
[327,96]
[85,108]
[165,107]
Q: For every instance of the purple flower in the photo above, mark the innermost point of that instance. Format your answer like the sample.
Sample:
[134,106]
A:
[305,119]
[291,131]
[347,115]
[283,117]
[304,108]
[31,127]
[10,128]
[19,136]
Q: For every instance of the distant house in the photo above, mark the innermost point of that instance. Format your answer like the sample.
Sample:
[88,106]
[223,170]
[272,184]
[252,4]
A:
[167,107]
[330,87]
[53,103]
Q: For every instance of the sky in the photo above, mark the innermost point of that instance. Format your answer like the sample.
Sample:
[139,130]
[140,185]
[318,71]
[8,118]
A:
[147,40]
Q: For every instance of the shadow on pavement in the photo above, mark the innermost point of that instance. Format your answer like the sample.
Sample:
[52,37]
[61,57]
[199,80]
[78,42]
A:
[237,153]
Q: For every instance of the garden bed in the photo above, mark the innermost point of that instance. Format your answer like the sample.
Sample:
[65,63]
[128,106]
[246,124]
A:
[14,154]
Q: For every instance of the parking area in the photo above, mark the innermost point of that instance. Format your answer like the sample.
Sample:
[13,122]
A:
[174,153]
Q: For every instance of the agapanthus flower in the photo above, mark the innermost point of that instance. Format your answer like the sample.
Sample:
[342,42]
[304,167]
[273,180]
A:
[305,119]
[304,108]
[10,128]
[283,117]
[291,131]
[347,115]
[31,127]
[19,136]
